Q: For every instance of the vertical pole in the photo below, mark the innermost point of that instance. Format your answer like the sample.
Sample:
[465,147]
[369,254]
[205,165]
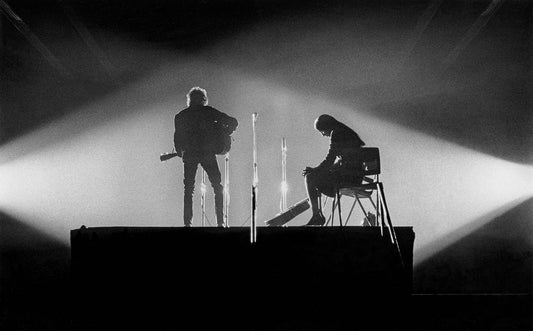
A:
[226,189]
[202,201]
[339,207]
[392,232]
[284,187]
[379,216]
[2,116]
[253,225]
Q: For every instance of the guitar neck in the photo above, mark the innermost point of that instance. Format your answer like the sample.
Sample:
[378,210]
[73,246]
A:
[167,156]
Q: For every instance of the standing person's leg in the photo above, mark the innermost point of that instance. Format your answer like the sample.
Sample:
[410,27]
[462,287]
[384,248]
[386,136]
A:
[189,173]
[210,165]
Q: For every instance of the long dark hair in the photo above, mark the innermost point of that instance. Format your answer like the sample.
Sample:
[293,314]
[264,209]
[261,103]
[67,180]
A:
[327,122]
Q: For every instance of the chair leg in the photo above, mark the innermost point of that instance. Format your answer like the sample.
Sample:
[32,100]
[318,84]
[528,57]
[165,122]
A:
[361,205]
[373,204]
[377,206]
[333,205]
[320,203]
[350,213]
[382,223]
[339,206]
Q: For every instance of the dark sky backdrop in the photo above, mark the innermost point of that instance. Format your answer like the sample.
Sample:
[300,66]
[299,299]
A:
[491,113]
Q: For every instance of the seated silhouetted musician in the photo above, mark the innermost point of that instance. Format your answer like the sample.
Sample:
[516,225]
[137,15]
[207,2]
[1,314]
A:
[341,166]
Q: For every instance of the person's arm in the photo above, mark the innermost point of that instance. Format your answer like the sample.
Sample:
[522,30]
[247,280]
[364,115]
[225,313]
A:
[179,138]
[332,154]
[225,120]
[324,165]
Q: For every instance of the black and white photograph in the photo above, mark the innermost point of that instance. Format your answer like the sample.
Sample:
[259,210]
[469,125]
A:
[266,165]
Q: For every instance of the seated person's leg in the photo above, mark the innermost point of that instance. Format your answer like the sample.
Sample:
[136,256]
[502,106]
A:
[317,183]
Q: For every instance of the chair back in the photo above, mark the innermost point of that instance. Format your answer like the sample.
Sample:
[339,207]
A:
[371,161]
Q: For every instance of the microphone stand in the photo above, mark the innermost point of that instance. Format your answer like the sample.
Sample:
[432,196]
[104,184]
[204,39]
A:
[253,223]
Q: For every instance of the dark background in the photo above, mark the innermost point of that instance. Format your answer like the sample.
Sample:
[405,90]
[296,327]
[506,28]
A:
[33,91]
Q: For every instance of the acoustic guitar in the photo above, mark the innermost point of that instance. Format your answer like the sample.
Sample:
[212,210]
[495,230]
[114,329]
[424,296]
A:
[223,144]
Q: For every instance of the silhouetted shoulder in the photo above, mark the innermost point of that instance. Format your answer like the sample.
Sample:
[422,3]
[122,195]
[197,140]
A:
[211,109]
[181,113]
[346,135]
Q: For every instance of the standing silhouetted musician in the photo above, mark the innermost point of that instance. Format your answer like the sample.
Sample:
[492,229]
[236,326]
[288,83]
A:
[340,167]
[201,133]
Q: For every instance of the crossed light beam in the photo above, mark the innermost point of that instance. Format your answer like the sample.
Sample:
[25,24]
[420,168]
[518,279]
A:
[108,173]
[99,166]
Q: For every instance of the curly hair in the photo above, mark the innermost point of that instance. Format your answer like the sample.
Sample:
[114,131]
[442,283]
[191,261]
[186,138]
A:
[197,96]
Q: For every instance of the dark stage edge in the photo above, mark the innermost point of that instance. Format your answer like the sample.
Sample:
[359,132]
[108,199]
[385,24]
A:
[293,278]
[200,276]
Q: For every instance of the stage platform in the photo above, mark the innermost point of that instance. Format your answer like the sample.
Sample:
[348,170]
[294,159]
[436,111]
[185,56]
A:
[183,274]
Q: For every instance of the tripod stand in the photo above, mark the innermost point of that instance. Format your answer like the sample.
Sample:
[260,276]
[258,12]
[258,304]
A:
[380,206]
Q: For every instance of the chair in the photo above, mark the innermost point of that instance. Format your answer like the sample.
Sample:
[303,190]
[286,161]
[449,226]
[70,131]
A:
[371,169]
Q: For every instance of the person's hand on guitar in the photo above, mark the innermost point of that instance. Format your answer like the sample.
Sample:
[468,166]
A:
[307,171]
[178,151]
[227,129]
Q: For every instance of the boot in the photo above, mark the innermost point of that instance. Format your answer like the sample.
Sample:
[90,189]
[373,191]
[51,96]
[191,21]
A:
[317,220]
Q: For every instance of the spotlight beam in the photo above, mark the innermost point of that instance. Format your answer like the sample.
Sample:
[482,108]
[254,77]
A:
[426,251]
[33,39]
[87,37]
[421,26]
[474,30]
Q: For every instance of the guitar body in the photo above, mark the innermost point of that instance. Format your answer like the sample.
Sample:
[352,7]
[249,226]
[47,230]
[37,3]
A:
[224,144]
[221,145]
[222,139]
